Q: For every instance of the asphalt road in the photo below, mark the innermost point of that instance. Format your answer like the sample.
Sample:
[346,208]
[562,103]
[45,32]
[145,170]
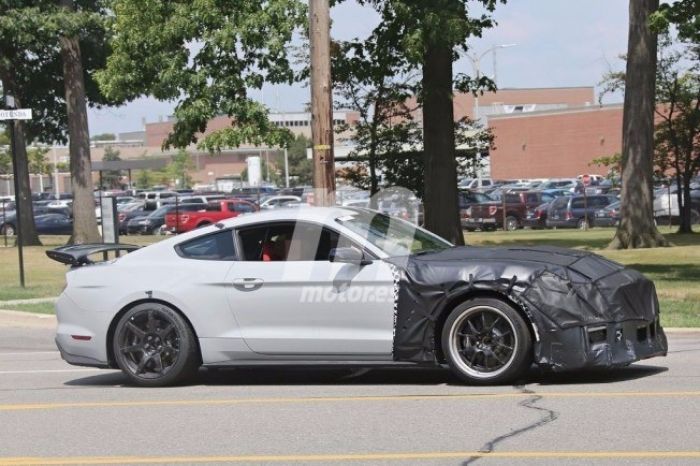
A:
[53,413]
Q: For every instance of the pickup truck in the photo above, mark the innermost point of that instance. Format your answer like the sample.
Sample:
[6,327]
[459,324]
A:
[489,215]
[210,213]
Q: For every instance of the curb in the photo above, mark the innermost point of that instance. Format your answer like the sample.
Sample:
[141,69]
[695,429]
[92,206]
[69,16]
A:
[11,313]
[14,302]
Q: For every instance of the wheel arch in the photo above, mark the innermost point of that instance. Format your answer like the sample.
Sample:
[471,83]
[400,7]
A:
[460,298]
[113,325]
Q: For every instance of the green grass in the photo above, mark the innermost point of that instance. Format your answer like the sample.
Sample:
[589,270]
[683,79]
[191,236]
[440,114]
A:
[36,308]
[675,270]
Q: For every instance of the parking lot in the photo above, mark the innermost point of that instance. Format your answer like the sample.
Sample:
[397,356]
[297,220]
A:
[53,413]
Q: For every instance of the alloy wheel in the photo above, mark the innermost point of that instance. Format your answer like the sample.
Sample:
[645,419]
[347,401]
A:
[485,339]
[149,343]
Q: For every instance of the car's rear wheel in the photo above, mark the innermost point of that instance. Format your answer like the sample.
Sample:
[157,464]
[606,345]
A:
[154,346]
[583,224]
[486,341]
[511,223]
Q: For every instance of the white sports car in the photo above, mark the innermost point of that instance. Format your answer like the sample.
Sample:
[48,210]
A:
[347,286]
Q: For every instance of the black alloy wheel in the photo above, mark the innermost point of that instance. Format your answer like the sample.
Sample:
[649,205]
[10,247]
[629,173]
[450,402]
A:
[485,340]
[154,346]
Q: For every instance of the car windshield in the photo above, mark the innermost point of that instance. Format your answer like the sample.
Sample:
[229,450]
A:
[162,211]
[393,236]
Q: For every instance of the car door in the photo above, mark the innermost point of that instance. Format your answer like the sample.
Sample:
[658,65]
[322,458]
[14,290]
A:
[289,299]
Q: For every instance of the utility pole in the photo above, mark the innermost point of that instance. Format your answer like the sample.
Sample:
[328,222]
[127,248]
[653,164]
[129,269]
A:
[321,103]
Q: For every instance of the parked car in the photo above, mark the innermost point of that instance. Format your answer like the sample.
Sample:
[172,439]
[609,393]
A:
[490,215]
[569,184]
[329,285]
[154,222]
[666,206]
[127,212]
[274,202]
[206,215]
[537,218]
[468,198]
[47,222]
[476,184]
[576,211]
[608,216]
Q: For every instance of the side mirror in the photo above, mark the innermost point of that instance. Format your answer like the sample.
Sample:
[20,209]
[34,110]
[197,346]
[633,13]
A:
[348,256]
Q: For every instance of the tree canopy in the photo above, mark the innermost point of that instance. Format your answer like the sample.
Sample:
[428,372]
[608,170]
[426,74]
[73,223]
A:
[207,56]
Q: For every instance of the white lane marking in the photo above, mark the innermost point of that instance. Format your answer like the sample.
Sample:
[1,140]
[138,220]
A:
[50,371]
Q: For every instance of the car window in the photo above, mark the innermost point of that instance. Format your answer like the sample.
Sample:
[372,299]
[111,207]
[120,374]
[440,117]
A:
[546,197]
[577,203]
[289,241]
[513,199]
[242,207]
[217,246]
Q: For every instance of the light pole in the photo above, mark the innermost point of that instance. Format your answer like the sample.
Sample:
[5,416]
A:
[476,64]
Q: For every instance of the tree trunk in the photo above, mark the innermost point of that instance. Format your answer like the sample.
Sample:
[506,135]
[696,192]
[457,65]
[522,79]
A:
[637,229]
[84,219]
[685,209]
[23,198]
[440,200]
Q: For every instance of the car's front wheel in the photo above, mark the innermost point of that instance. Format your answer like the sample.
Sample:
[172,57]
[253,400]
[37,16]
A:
[486,341]
[154,346]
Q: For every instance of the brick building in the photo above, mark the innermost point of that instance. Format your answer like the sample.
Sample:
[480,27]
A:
[555,143]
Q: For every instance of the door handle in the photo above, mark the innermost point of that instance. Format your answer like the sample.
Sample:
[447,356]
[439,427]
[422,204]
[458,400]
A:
[248,284]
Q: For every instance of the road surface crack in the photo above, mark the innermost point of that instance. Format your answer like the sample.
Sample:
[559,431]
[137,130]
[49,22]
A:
[547,416]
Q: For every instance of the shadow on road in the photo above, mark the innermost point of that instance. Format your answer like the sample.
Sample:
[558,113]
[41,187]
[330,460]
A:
[404,376]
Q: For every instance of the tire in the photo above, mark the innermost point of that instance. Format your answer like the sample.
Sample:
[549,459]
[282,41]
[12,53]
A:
[486,324]
[511,223]
[154,346]
[583,224]
[7,229]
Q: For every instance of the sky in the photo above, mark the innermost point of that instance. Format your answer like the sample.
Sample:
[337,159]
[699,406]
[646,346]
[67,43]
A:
[559,43]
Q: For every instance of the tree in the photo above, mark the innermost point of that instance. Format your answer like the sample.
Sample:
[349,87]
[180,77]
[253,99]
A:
[37,160]
[178,169]
[406,169]
[300,166]
[84,217]
[37,37]
[111,179]
[5,157]
[428,35]
[636,228]
[144,179]
[678,129]
[364,80]
[206,56]
[104,137]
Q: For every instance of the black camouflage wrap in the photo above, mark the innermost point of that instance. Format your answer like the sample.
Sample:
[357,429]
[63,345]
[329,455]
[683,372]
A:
[565,294]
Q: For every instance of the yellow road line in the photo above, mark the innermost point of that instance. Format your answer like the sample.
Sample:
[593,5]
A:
[250,401]
[21,461]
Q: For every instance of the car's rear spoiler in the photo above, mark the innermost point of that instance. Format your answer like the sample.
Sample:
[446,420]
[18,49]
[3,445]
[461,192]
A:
[77,255]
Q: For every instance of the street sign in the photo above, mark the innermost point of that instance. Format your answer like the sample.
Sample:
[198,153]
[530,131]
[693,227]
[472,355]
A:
[19,114]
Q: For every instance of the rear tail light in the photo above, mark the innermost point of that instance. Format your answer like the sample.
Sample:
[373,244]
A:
[122,217]
[492,210]
[184,218]
[569,215]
